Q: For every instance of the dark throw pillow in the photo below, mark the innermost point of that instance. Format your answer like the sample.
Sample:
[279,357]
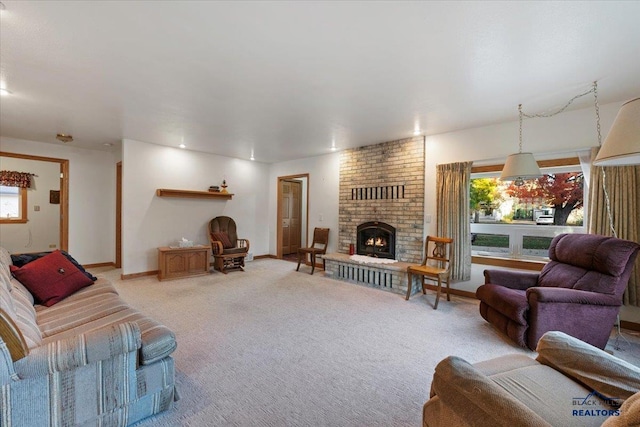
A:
[23,259]
[223,237]
[51,278]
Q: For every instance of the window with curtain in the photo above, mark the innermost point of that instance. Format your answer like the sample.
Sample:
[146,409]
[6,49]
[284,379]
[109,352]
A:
[452,186]
[621,183]
[520,222]
[13,196]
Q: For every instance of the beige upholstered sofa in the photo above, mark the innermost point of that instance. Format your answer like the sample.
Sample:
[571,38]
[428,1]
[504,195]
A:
[91,359]
[570,383]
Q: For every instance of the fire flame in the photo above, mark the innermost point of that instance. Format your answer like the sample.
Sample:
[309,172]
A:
[379,242]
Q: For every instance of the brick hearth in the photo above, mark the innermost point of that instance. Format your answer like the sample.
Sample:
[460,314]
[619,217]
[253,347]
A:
[387,277]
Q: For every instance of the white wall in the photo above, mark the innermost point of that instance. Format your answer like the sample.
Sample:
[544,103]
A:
[91,196]
[149,222]
[42,230]
[324,182]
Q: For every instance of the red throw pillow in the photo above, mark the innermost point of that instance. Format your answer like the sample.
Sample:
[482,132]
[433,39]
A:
[223,237]
[51,278]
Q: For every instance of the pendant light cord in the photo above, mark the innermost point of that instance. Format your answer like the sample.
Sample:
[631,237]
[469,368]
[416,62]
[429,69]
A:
[602,169]
[619,334]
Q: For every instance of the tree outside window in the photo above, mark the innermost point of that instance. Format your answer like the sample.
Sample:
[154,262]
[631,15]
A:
[520,222]
[558,194]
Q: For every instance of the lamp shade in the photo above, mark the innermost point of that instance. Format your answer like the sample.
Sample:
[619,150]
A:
[622,146]
[519,167]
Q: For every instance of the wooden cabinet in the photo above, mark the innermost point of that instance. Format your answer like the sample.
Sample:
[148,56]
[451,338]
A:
[175,263]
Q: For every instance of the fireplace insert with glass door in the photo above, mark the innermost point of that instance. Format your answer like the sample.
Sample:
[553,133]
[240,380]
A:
[376,239]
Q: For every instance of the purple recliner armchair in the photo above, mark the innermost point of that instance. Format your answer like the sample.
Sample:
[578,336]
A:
[579,292]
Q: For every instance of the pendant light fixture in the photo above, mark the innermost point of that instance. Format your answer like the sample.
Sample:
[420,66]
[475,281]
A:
[521,166]
[622,145]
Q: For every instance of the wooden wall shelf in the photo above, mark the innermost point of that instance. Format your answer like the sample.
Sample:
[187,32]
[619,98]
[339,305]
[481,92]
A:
[165,192]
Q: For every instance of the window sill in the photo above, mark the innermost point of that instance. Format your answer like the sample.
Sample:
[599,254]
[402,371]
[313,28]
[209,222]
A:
[13,221]
[509,262]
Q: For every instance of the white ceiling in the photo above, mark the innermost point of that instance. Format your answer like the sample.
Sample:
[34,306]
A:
[285,79]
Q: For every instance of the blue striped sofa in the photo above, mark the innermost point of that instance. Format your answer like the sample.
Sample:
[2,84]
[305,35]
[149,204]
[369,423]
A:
[89,360]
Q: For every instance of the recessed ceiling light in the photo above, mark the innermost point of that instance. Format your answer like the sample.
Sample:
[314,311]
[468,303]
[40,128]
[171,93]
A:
[4,91]
[182,146]
[108,144]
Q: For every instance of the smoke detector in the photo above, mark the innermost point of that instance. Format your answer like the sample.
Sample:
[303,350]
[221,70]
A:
[64,137]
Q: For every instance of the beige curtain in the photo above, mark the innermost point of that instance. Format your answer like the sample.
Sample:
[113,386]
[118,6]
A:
[622,186]
[452,210]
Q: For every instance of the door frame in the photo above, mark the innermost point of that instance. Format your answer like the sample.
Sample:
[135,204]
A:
[279,211]
[118,215]
[64,192]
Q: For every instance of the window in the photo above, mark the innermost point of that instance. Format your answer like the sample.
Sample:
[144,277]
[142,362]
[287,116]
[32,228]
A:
[520,222]
[13,205]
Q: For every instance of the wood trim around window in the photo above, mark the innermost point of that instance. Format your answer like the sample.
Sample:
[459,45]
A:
[23,210]
[509,263]
[567,161]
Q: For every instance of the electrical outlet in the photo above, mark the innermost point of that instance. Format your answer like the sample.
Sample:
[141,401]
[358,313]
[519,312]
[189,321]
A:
[320,218]
[36,208]
[427,218]
[53,245]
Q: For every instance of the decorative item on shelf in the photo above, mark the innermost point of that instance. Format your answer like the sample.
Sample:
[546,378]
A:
[184,243]
[214,189]
[224,187]
[352,249]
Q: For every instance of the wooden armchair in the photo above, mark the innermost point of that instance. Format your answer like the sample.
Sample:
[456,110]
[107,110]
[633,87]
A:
[228,251]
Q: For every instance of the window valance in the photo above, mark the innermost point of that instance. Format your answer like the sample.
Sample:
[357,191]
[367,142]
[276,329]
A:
[16,179]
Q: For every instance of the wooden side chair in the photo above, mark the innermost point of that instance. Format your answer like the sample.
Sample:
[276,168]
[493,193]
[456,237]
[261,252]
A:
[436,266]
[318,247]
[228,250]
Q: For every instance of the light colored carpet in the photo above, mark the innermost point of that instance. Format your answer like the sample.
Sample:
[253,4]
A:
[275,347]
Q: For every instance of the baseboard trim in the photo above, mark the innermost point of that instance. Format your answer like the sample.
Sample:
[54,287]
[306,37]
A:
[136,275]
[100,264]
[271,256]
[457,292]
[630,325]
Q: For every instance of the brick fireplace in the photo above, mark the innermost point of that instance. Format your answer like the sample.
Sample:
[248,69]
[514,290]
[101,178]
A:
[381,213]
[384,183]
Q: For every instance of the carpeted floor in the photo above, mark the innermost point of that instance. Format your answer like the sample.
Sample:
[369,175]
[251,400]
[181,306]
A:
[275,347]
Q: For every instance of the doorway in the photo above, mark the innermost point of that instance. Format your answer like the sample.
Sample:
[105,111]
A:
[63,228]
[293,216]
